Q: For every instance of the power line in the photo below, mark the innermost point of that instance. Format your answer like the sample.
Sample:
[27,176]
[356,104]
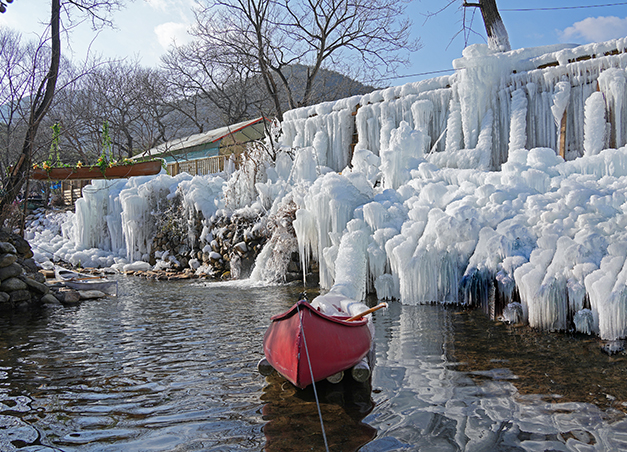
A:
[415,75]
[562,7]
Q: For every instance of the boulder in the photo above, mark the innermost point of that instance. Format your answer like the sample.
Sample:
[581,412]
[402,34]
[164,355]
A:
[91,294]
[6,247]
[21,246]
[37,276]
[240,247]
[69,296]
[7,259]
[4,297]
[10,271]
[50,300]
[19,295]
[30,266]
[35,285]
[13,284]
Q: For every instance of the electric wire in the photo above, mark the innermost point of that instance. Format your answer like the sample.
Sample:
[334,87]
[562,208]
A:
[415,75]
[557,8]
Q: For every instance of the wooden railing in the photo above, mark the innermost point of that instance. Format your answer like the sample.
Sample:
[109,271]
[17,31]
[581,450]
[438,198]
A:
[72,190]
[200,167]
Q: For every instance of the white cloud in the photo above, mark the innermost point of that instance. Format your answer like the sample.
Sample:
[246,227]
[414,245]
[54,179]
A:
[160,5]
[174,8]
[170,32]
[594,29]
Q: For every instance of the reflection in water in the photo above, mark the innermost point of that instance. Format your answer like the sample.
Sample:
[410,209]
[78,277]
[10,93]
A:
[165,366]
[171,366]
[447,383]
[292,417]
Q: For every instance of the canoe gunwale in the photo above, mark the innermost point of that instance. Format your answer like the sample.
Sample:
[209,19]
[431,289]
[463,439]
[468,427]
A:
[335,319]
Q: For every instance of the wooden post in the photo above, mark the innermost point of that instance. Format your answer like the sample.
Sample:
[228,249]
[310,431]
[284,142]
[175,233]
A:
[562,143]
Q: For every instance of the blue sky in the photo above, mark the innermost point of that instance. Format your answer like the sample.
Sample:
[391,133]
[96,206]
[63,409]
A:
[145,28]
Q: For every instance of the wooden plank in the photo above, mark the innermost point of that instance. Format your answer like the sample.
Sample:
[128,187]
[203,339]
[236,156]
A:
[562,143]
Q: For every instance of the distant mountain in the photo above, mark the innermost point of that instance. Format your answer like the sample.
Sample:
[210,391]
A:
[329,86]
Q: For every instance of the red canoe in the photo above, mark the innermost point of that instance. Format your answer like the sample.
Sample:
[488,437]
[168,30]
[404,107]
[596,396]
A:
[333,344]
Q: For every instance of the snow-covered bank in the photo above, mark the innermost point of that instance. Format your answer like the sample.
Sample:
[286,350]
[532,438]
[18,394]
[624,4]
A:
[449,190]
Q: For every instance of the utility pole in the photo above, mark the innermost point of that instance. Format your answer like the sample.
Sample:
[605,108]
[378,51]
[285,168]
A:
[495,28]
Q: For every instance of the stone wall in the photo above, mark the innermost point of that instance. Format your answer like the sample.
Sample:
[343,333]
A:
[21,283]
[229,252]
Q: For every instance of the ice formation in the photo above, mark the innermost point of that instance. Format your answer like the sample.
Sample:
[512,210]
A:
[449,190]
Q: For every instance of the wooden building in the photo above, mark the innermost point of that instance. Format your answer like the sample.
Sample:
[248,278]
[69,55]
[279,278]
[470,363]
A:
[206,153]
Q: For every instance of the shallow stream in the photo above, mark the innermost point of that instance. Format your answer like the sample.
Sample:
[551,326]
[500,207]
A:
[171,366]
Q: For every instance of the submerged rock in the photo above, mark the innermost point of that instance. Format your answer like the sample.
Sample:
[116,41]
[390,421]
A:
[68,296]
[91,294]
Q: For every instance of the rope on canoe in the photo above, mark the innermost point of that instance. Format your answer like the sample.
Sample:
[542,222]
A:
[313,383]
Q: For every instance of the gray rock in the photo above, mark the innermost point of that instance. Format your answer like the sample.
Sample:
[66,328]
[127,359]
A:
[19,295]
[4,297]
[30,266]
[240,247]
[91,294]
[69,296]
[11,284]
[7,259]
[50,300]
[34,285]
[10,271]
[6,247]
[22,246]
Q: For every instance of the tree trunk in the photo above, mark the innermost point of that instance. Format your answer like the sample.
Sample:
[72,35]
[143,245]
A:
[41,104]
[495,28]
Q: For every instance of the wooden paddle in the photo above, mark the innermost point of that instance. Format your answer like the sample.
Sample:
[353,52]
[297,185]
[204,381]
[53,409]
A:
[76,279]
[85,278]
[360,315]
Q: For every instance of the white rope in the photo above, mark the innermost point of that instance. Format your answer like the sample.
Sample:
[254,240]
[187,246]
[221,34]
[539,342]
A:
[313,383]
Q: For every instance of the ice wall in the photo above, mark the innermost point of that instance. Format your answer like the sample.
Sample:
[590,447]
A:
[495,102]
[443,191]
[116,221]
[535,236]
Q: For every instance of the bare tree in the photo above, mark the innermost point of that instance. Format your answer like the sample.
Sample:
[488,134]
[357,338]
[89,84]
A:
[41,100]
[133,100]
[341,32]
[264,38]
[44,89]
[204,77]
[22,64]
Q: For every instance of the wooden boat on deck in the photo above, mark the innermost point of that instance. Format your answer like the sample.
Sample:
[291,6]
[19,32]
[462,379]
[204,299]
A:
[304,342]
[82,281]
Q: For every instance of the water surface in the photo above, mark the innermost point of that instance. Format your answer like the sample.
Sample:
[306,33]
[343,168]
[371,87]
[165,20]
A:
[171,366]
